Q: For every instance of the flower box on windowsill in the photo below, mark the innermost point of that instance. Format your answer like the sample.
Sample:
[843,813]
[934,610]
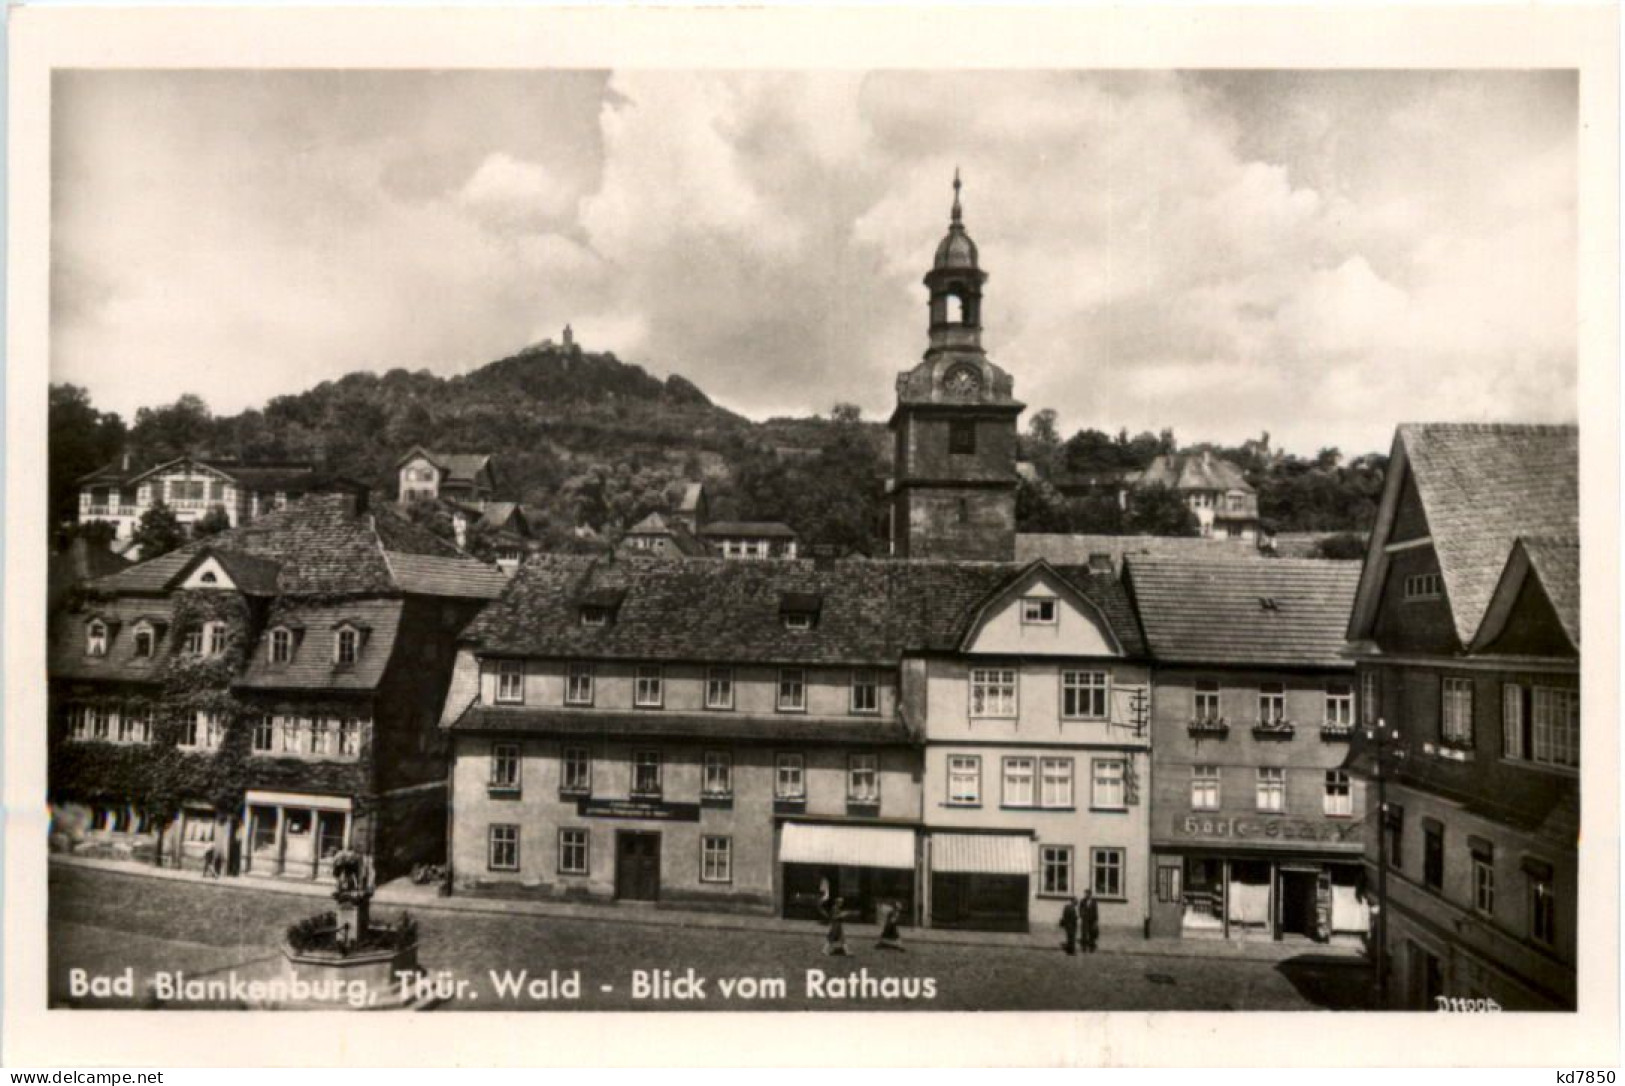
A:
[1217,727]
[502,791]
[1336,732]
[1273,729]
[783,805]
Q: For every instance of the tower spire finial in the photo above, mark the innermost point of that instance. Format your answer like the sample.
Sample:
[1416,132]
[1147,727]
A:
[958,215]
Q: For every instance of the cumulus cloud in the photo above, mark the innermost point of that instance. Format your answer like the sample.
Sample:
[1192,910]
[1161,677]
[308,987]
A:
[1316,254]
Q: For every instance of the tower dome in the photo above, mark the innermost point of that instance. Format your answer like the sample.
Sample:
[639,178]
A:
[956,250]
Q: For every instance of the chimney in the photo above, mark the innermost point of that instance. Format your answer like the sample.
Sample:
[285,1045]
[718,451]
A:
[125,461]
[1101,562]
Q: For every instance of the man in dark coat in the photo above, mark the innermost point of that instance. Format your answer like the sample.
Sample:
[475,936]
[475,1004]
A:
[1069,924]
[1089,909]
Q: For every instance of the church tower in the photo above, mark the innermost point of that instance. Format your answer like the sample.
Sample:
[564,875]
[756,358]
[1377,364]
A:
[954,428]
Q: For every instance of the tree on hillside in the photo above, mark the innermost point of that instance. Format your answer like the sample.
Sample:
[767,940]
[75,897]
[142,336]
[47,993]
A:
[97,533]
[158,532]
[1041,444]
[846,412]
[1159,510]
[213,522]
[81,439]
[180,428]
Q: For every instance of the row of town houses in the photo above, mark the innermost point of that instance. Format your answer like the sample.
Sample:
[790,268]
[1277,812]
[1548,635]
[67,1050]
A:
[1197,740]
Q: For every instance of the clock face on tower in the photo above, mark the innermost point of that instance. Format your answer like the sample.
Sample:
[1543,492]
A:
[963,381]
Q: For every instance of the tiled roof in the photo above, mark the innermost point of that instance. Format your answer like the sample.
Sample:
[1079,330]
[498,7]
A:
[65,641]
[731,727]
[870,612]
[323,548]
[751,528]
[1482,486]
[252,575]
[81,560]
[1063,549]
[1556,561]
[692,493]
[653,524]
[1215,611]
[312,665]
[436,575]
[1193,471]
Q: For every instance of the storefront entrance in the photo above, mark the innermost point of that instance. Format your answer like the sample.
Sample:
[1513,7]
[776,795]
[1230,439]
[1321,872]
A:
[861,890]
[862,864]
[295,836]
[1300,896]
[980,882]
[1240,897]
[637,866]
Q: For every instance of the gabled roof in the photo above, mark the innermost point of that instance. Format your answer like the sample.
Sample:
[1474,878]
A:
[1481,486]
[653,524]
[870,612]
[250,575]
[1555,563]
[771,529]
[1282,612]
[311,666]
[454,467]
[322,547]
[65,642]
[1192,471]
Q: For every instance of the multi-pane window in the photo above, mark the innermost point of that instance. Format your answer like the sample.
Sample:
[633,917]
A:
[1055,782]
[790,777]
[1542,907]
[792,690]
[320,736]
[1368,696]
[716,859]
[1084,695]
[1339,793]
[1555,731]
[1514,721]
[1339,705]
[1271,788]
[1456,711]
[794,620]
[505,765]
[511,681]
[1484,881]
[646,773]
[1038,611]
[1018,782]
[192,642]
[865,692]
[578,685]
[1206,708]
[79,721]
[281,645]
[1106,864]
[718,776]
[101,722]
[863,779]
[1055,870]
[1109,784]
[1424,586]
[135,724]
[203,730]
[96,639]
[1271,703]
[349,645]
[719,688]
[575,770]
[502,847]
[592,615]
[215,635]
[572,852]
[993,692]
[349,737]
[1204,788]
[290,734]
[649,687]
[964,780]
[145,641]
[1432,855]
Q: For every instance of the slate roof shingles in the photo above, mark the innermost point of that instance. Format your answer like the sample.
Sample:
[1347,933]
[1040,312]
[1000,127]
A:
[312,665]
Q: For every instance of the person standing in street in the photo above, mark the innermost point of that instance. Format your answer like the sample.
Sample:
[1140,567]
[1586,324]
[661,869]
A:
[890,937]
[1069,924]
[1090,919]
[835,937]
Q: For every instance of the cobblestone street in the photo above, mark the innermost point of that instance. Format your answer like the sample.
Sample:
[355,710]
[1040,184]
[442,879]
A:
[104,922]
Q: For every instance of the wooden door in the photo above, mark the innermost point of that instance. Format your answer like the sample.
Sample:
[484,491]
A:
[637,866]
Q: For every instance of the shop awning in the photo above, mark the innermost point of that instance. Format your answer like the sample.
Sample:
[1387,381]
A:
[981,854]
[849,846]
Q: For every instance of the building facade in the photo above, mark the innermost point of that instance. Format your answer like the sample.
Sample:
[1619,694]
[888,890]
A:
[1258,827]
[1225,503]
[121,493]
[460,477]
[1466,629]
[266,696]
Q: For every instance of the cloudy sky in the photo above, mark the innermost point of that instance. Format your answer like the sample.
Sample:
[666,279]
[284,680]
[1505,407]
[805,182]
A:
[1316,255]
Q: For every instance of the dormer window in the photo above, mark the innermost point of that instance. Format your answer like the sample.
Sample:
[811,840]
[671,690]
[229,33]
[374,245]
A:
[599,606]
[96,638]
[347,646]
[798,620]
[1038,611]
[145,642]
[594,616]
[799,610]
[281,645]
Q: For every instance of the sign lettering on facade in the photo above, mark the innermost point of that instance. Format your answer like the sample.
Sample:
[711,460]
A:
[638,808]
[1242,828]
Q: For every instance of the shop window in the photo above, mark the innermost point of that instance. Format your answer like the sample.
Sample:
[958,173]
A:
[790,777]
[573,852]
[575,771]
[646,773]
[1339,801]
[792,690]
[511,682]
[502,847]
[578,685]
[718,779]
[1205,788]
[1084,695]
[863,780]
[649,687]
[1055,870]
[716,859]
[865,692]
[1019,776]
[1110,784]
[1106,865]
[993,692]
[964,780]
[719,688]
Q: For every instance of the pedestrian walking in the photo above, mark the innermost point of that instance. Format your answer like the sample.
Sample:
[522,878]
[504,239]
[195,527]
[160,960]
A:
[1090,917]
[835,937]
[211,869]
[890,937]
[1069,924]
